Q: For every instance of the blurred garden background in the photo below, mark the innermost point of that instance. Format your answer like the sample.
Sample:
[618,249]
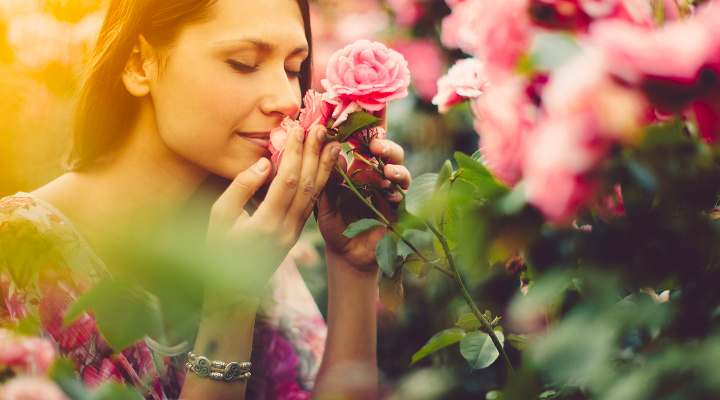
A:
[590,225]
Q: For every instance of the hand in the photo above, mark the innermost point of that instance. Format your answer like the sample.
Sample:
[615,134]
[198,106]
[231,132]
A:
[360,251]
[252,247]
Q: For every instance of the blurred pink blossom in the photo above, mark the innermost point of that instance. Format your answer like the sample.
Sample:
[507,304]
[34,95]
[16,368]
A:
[367,73]
[559,165]
[665,62]
[464,80]
[496,32]
[425,62]
[407,12]
[31,388]
[504,118]
[25,355]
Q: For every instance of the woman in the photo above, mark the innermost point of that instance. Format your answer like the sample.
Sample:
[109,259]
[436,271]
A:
[174,94]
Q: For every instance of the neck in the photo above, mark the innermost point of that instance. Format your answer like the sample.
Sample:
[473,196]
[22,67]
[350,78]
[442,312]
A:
[141,191]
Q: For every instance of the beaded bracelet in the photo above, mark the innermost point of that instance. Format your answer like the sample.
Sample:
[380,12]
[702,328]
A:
[218,370]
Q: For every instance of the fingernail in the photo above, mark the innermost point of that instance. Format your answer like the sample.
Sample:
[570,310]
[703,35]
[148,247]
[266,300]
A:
[382,143]
[321,134]
[396,171]
[335,152]
[261,166]
[300,133]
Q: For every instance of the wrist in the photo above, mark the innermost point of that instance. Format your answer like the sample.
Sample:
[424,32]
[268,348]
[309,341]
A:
[342,263]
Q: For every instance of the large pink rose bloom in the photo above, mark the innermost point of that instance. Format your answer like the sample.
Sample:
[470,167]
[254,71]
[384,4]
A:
[504,118]
[31,388]
[367,75]
[464,80]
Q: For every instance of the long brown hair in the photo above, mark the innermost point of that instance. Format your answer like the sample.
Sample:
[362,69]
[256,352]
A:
[104,109]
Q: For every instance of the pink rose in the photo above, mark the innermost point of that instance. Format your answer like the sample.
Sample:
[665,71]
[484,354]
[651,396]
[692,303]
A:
[282,360]
[315,111]
[561,158]
[494,32]
[278,138]
[407,12]
[464,80]
[27,355]
[367,74]
[31,388]
[503,119]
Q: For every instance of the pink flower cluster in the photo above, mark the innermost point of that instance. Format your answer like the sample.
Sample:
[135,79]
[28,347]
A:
[553,130]
[28,359]
[363,76]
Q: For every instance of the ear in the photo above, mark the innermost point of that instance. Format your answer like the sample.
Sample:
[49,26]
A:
[140,69]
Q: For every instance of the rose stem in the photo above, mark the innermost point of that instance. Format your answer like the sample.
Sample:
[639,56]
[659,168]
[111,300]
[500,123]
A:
[382,175]
[459,283]
[387,223]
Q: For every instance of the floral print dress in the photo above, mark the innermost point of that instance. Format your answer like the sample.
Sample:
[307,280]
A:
[45,265]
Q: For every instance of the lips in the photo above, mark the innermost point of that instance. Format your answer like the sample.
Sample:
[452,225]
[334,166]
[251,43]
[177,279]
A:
[259,139]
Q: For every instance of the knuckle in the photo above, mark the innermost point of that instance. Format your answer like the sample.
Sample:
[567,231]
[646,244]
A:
[307,187]
[290,181]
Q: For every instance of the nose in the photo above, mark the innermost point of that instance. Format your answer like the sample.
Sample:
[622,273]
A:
[282,95]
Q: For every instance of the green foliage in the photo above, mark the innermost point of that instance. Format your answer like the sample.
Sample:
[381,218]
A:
[386,253]
[479,350]
[140,310]
[361,226]
[356,122]
[438,341]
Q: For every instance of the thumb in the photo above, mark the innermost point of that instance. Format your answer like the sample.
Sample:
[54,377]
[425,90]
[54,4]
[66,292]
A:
[230,204]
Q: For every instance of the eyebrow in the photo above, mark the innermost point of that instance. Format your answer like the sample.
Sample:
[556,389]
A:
[264,46]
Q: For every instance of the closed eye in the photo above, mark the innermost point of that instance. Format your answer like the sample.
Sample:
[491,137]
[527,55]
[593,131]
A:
[293,74]
[237,65]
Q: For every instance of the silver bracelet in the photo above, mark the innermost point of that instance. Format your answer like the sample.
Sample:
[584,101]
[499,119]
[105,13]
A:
[216,369]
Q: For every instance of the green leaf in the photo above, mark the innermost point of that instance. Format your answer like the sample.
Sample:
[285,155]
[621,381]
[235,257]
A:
[391,291]
[355,122]
[476,155]
[361,226]
[445,174]
[426,268]
[386,252]
[551,50]
[414,263]
[419,197]
[479,350]
[469,322]
[114,391]
[440,340]
[109,299]
[467,162]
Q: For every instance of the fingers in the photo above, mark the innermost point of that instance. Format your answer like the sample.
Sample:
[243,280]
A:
[283,187]
[307,190]
[398,174]
[387,150]
[229,206]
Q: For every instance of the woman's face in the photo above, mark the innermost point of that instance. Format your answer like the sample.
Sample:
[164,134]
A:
[228,81]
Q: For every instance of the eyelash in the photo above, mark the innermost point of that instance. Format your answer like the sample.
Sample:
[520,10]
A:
[238,66]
